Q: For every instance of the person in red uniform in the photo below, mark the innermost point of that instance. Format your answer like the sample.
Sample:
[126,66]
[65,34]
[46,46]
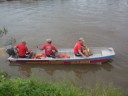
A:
[50,49]
[22,49]
[80,48]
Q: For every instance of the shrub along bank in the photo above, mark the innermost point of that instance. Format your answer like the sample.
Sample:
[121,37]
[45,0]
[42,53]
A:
[21,87]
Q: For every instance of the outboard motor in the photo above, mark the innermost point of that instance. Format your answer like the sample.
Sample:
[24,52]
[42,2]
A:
[11,51]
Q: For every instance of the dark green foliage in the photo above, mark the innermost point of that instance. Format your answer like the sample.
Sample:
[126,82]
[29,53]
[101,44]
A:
[33,88]
[4,76]
[20,87]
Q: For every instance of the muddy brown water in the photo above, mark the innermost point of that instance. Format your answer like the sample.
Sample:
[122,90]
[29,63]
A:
[102,23]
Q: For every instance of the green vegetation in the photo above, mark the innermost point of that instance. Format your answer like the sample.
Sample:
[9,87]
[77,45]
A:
[4,76]
[20,87]
[103,90]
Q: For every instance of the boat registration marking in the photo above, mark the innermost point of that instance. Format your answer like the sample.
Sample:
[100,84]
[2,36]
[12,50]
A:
[81,62]
[61,62]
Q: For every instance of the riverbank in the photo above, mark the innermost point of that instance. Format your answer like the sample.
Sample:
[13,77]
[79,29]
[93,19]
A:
[32,87]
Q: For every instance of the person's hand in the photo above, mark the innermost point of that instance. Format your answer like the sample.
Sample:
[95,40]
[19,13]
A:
[54,51]
[30,50]
[84,57]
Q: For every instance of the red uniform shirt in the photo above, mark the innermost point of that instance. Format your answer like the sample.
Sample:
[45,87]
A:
[77,47]
[22,49]
[48,48]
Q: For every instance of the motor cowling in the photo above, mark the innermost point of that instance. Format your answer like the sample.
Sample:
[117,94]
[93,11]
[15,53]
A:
[11,52]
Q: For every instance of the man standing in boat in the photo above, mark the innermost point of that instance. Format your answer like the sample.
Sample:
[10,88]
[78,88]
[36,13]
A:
[50,49]
[80,48]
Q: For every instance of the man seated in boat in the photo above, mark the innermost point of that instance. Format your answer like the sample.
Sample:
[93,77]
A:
[23,51]
[80,48]
[50,49]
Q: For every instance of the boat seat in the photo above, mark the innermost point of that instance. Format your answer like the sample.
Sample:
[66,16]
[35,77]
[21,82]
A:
[105,52]
[95,55]
[76,56]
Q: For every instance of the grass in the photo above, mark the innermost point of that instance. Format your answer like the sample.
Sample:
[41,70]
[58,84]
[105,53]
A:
[4,76]
[21,87]
[103,90]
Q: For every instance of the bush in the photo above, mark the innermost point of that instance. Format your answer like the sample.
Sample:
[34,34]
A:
[4,76]
[102,90]
[21,87]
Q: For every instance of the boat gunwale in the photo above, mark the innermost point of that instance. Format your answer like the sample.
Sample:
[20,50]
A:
[62,59]
[74,58]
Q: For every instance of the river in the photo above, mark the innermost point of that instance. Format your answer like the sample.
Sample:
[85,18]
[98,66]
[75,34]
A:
[103,23]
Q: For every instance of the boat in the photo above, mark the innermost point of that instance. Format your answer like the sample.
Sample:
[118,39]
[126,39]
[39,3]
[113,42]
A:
[99,55]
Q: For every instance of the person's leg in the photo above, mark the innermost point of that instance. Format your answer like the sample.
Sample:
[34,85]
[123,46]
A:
[86,52]
[78,55]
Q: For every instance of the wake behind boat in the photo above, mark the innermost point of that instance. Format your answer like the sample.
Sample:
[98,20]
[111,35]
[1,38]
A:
[99,55]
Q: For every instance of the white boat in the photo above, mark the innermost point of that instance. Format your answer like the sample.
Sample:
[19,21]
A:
[99,55]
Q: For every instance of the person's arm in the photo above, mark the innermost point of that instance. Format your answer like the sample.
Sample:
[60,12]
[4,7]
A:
[81,53]
[28,50]
[54,48]
[79,50]
[85,47]
[16,48]
[43,47]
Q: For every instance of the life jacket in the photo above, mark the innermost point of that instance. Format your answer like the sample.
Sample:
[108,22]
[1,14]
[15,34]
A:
[63,56]
[40,56]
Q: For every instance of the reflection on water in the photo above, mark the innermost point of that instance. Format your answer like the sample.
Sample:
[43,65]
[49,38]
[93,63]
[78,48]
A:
[25,71]
[51,70]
